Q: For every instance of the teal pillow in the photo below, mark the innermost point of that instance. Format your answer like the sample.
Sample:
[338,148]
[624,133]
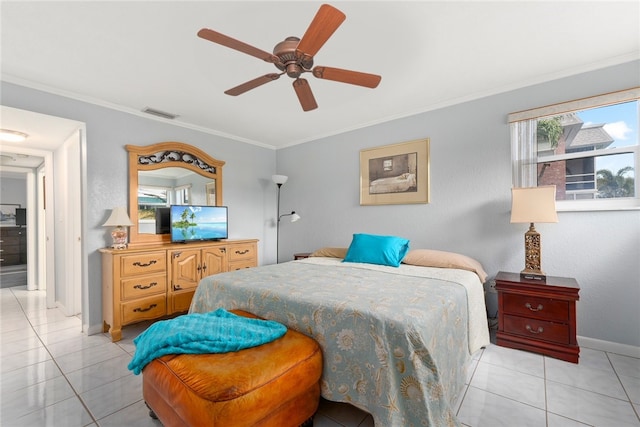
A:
[374,249]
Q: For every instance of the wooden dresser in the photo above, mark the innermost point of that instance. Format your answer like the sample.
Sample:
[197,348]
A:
[538,317]
[13,246]
[151,282]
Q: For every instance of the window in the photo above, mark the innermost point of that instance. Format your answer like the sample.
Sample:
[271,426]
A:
[151,197]
[587,148]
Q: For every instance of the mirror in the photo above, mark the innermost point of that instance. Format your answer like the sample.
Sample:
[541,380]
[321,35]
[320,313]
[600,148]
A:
[164,174]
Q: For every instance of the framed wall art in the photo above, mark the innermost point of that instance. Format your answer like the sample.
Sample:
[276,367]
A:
[8,214]
[395,174]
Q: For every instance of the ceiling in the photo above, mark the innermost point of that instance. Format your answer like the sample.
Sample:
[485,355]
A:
[132,55]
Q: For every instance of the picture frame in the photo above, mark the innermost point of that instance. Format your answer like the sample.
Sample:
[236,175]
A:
[8,214]
[395,174]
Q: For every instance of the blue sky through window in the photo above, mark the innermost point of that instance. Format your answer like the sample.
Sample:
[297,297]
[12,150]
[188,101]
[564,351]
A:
[621,122]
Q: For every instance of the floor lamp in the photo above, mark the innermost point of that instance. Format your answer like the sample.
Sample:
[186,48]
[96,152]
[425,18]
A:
[279,180]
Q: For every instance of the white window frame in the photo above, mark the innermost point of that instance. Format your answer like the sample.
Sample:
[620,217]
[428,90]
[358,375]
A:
[524,155]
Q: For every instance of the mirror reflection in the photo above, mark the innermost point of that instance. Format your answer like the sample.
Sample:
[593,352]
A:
[158,189]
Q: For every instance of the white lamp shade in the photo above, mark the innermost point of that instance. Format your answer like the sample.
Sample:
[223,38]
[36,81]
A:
[295,217]
[279,179]
[534,204]
[118,217]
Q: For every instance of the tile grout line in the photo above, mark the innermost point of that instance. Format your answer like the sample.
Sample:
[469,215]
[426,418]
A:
[615,371]
[53,359]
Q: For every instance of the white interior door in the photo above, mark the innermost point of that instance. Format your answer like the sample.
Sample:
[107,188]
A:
[69,225]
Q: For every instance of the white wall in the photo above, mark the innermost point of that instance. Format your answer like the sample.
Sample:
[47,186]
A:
[470,201]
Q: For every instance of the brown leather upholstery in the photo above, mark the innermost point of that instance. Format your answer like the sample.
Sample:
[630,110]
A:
[275,384]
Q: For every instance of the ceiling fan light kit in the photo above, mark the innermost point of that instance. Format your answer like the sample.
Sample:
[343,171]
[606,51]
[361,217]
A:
[294,56]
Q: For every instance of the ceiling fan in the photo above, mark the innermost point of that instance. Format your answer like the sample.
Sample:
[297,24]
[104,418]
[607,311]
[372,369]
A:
[294,56]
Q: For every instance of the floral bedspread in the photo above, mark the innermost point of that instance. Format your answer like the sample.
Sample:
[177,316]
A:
[395,341]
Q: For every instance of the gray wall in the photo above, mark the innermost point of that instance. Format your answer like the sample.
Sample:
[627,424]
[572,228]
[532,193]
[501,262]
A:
[247,186]
[13,191]
[470,193]
[470,201]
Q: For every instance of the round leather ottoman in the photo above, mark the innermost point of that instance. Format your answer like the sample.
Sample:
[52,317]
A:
[275,384]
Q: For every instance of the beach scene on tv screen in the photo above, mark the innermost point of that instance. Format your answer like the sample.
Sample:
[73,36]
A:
[198,223]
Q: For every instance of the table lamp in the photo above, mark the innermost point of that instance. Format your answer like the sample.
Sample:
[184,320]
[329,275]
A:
[533,204]
[118,219]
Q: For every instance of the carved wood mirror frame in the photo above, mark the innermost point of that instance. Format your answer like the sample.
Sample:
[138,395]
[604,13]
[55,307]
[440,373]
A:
[163,155]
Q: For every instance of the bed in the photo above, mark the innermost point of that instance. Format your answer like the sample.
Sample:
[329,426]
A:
[396,341]
[396,184]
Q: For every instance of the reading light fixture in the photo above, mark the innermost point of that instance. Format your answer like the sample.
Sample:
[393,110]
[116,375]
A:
[533,204]
[279,180]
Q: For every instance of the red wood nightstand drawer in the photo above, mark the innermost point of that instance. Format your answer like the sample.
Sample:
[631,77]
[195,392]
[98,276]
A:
[537,329]
[539,308]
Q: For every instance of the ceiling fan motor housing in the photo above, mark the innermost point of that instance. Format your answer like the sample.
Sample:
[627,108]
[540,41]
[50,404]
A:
[293,64]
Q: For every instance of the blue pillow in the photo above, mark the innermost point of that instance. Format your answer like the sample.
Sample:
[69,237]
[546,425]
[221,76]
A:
[373,249]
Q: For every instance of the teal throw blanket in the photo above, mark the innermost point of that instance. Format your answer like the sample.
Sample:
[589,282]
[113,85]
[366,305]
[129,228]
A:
[214,332]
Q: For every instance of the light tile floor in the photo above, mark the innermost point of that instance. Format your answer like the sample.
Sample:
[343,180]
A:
[53,375]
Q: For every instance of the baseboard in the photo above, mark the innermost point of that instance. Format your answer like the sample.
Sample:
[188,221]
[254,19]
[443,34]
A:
[93,329]
[611,347]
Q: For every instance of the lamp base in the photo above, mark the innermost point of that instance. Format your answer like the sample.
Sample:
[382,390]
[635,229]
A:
[532,256]
[119,237]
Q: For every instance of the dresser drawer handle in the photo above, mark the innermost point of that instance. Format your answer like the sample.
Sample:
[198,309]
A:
[538,308]
[150,263]
[246,251]
[150,285]
[141,310]
[539,331]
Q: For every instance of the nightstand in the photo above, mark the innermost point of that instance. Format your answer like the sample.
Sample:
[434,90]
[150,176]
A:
[538,317]
[301,255]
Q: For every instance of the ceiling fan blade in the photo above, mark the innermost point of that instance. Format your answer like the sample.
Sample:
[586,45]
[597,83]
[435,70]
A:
[347,76]
[324,24]
[232,43]
[252,84]
[305,96]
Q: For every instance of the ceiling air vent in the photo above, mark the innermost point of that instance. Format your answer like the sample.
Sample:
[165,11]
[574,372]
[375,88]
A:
[159,113]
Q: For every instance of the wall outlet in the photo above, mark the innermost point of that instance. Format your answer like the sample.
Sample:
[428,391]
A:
[492,286]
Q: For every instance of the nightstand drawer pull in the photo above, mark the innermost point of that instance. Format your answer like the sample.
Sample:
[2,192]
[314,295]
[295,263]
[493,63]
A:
[539,331]
[538,308]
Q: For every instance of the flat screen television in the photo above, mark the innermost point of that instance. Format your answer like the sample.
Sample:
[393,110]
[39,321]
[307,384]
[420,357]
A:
[191,223]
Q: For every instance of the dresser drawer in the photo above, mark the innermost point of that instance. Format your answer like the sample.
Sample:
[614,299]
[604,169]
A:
[239,265]
[137,287]
[538,308]
[537,329]
[10,240]
[143,263]
[144,309]
[246,251]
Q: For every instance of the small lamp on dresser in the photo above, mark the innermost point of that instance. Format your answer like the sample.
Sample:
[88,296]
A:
[531,205]
[120,220]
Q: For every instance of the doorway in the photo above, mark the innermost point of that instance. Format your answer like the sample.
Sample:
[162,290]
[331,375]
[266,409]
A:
[56,260]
